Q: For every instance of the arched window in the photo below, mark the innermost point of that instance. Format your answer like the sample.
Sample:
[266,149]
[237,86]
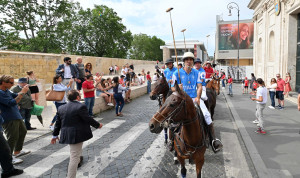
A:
[271,56]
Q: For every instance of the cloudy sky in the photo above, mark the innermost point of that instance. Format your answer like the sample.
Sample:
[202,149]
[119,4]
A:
[197,16]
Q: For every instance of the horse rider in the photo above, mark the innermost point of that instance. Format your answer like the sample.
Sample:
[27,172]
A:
[208,70]
[169,70]
[190,82]
[198,66]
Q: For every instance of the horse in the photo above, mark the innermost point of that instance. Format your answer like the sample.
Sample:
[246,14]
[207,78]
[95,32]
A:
[189,141]
[212,90]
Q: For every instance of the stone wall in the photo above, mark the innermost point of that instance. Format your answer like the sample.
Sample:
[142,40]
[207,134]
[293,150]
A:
[44,64]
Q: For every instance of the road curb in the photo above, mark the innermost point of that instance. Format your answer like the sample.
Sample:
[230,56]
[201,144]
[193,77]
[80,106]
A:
[258,163]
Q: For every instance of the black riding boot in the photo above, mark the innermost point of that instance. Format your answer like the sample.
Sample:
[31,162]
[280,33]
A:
[215,143]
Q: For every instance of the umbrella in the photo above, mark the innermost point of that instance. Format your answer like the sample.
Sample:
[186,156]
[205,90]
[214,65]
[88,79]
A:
[40,118]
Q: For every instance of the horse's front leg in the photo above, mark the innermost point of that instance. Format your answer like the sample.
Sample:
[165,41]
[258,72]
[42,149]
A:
[199,159]
[183,169]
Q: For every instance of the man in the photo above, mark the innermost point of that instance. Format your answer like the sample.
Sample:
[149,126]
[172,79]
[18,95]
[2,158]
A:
[25,103]
[299,99]
[279,91]
[14,127]
[190,82]
[8,169]
[67,71]
[74,122]
[89,93]
[81,73]
[208,70]
[169,71]
[202,74]
[180,66]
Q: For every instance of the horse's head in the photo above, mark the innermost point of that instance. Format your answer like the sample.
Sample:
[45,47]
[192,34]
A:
[214,84]
[161,87]
[174,110]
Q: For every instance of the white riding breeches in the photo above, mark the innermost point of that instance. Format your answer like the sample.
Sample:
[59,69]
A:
[205,112]
[203,94]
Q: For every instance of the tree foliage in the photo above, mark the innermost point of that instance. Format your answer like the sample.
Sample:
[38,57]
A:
[146,48]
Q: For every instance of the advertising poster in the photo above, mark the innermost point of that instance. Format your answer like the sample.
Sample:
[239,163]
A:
[228,36]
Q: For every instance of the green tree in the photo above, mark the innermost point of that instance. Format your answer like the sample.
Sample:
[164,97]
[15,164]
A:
[98,35]
[36,20]
[145,47]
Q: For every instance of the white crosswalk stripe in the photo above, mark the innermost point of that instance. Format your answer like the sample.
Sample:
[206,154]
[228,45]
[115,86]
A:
[62,154]
[150,160]
[108,155]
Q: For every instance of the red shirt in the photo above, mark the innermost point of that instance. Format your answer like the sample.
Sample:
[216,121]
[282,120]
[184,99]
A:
[280,85]
[148,77]
[208,71]
[88,85]
[230,81]
[246,82]
[254,85]
[223,76]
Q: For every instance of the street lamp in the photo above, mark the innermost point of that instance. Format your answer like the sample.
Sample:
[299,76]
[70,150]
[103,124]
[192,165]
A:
[231,6]
[184,39]
[207,36]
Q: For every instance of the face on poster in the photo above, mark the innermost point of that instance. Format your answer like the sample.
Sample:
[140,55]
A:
[230,38]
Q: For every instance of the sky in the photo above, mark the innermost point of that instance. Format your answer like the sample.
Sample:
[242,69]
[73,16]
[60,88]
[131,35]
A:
[197,16]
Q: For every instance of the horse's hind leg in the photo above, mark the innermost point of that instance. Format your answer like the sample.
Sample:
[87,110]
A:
[183,169]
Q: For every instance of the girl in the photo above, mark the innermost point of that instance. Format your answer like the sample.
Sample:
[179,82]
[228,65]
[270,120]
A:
[31,79]
[287,87]
[148,82]
[102,91]
[118,89]
[230,85]
[272,92]
[88,68]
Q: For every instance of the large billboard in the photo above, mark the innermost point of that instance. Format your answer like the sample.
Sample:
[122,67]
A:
[228,36]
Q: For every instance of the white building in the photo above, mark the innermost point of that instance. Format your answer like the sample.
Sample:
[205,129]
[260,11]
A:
[277,39]
[193,46]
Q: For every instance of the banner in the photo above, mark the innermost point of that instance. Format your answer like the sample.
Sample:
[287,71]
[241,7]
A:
[228,36]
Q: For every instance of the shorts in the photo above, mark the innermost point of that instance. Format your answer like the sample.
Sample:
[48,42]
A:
[34,89]
[246,87]
[254,89]
[279,95]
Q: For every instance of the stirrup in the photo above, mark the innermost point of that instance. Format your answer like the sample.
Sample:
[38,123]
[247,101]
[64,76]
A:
[212,145]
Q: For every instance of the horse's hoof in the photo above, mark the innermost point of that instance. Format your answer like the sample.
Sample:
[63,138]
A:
[183,176]
[166,141]
[176,162]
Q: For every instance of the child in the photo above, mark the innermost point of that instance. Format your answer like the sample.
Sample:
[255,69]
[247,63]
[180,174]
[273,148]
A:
[148,77]
[246,83]
[254,87]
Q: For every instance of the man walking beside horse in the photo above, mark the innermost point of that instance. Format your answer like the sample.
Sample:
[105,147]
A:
[189,80]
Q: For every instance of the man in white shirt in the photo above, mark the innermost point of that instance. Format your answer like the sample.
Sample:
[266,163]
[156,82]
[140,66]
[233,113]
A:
[261,100]
[67,71]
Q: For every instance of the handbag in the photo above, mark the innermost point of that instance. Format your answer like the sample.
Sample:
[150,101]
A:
[52,95]
[37,110]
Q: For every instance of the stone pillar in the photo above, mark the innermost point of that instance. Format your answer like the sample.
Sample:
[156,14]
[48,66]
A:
[166,54]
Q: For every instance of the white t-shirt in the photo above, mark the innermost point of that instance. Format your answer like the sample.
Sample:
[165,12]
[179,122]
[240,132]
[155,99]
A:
[273,87]
[262,91]
[154,77]
[123,72]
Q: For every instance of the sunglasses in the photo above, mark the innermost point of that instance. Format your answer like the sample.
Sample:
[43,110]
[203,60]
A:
[277,76]
[10,82]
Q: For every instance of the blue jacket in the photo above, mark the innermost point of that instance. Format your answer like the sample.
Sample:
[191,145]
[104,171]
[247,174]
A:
[74,71]
[8,106]
[1,122]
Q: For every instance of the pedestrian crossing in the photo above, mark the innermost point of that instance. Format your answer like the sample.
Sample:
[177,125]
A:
[151,163]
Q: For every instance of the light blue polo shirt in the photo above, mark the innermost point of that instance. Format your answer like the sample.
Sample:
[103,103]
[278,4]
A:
[169,73]
[202,75]
[189,81]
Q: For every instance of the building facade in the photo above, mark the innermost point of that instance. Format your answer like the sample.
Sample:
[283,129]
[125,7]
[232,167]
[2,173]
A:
[193,46]
[277,39]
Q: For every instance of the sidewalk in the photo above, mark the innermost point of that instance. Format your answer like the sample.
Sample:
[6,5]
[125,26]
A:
[277,153]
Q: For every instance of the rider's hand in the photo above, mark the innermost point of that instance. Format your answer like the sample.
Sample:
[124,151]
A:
[197,100]
[180,86]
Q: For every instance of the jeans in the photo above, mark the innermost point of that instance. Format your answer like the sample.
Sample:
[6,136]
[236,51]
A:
[223,83]
[272,96]
[119,99]
[57,106]
[15,132]
[5,156]
[148,86]
[25,113]
[89,102]
[230,89]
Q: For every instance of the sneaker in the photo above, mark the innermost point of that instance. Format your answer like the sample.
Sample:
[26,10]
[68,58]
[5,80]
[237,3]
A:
[279,106]
[255,121]
[16,160]
[271,107]
[22,153]
[12,173]
[260,131]
[110,104]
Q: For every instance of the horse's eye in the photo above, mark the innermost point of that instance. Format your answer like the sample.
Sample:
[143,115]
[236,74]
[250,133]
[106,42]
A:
[172,105]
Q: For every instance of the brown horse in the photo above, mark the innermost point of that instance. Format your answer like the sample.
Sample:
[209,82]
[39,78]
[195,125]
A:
[212,89]
[162,88]
[189,141]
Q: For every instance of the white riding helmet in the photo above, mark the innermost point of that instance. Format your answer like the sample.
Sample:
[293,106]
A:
[188,55]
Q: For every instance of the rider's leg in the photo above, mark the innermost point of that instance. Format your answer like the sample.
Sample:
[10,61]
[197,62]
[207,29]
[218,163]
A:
[215,143]
[203,94]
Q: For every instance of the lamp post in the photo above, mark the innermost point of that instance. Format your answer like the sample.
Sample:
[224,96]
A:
[231,6]
[207,36]
[184,39]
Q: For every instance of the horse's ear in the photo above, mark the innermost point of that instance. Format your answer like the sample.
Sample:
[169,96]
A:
[177,87]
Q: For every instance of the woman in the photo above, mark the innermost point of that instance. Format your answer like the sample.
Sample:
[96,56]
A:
[33,87]
[58,86]
[261,100]
[287,87]
[243,40]
[118,89]
[230,85]
[102,91]
[272,92]
[88,68]
[148,77]
[223,78]
[253,78]
[110,91]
